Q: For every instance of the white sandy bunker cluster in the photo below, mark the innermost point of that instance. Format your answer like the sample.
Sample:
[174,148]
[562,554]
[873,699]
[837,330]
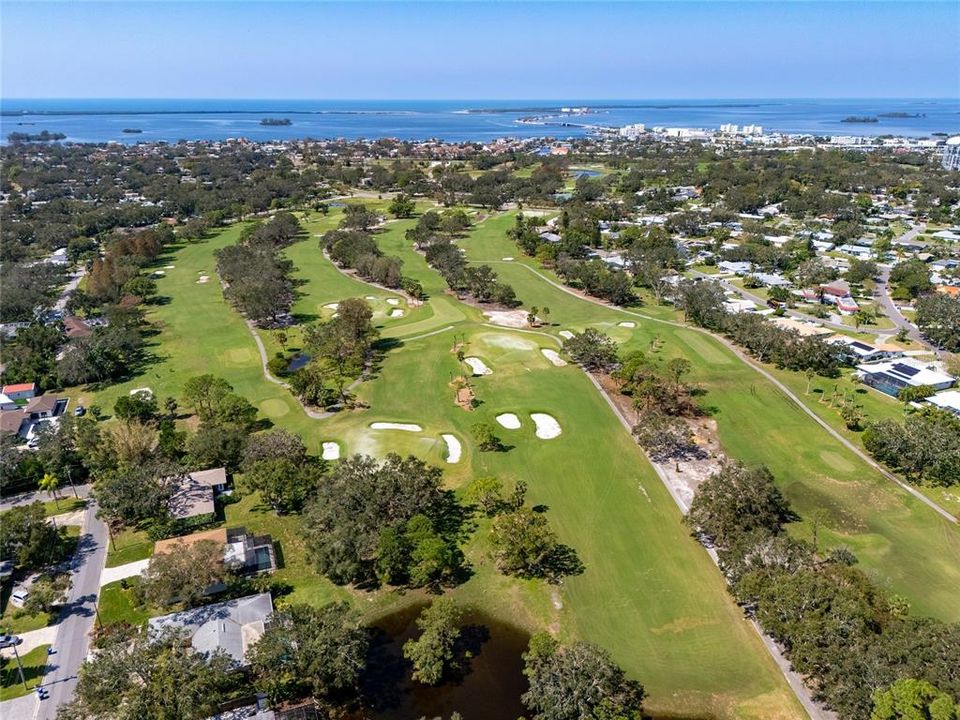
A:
[454,448]
[553,356]
[547,426]
[406,427]
[331,451]
[509,421]
[478,366]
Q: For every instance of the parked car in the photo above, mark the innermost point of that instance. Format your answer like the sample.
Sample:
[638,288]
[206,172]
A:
[8,640]
[79,411]
[19,596]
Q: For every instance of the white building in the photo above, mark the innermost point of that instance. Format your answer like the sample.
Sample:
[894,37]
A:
[951,154]
[633,131]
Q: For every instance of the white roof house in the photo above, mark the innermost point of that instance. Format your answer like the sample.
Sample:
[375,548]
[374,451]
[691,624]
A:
[892,376]
[948,400]
[233,626]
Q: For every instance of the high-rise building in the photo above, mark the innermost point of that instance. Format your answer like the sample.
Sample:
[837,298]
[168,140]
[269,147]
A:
[951,154]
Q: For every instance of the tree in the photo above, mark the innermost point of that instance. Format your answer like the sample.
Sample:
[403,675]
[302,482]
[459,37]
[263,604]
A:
[702,303]
[592,350]
[487,493]
[524,546]
[402,206]
[485,436]
[664,437]
[911,278]
[29,540]
[184,573]
[360,499]
[309,650]
[577,682]
[915,393]
[433,652]
[204,393]
[911,699]
[861,270]
[46,593]
[282,483]
[50,484]
[151,677]
[274,445]
[737,500]
[938,318]
[141,407]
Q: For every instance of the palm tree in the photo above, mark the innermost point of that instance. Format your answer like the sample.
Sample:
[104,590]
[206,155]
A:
[50,483]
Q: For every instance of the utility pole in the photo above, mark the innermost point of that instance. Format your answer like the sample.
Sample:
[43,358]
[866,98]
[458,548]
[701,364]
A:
[70,480]
[20,668]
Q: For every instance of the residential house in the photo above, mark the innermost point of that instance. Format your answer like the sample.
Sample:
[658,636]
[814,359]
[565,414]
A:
[233,626]
[771,279]
[736,305]
[76,328]
[857,352]
[193,499]
[892,376]
[45,406]
[20,391]
[737,268]
[838,293]
[948,400]
[14,422]
[7,404]
[243,552]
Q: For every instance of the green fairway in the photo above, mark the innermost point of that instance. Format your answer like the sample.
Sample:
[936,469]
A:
[905,546]
[649,594]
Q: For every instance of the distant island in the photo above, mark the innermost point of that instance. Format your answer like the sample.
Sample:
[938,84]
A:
[859,119]
[132,131]
[276,121]
[902,115]
[45,136]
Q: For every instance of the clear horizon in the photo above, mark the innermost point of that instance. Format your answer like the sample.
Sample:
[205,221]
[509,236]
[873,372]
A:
[463,50]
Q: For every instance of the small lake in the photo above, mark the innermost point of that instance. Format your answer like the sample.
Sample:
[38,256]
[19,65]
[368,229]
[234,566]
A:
[298,362]
[487,682]
[584,172]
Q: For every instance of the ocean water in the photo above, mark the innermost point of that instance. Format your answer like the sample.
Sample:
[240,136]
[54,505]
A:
[465,120]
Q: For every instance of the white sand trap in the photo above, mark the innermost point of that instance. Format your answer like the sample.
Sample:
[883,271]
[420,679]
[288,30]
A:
[145,391]
[331,451]
[507,259]
[547,426]
[203,279]
[392,301]
[369,297]
[169,267]
[332,306]
[478,366]
[396,313]
[507,318]
[454,448]
[627,324]
[509,421]
[553,357]
[408,427]
[566,334]
[158,273]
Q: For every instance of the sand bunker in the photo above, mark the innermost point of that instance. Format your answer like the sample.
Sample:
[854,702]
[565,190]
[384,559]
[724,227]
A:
[507,259]
[331,451]
[369,297]
[627,324]
[566,334]
[408,427]
[393,301]
[553,357]
[203,279]
[547,426]
[396,313]
[507,318]
[332,306]
[158,273]
[454,449]
[478,366]
[509,421]
[169,267]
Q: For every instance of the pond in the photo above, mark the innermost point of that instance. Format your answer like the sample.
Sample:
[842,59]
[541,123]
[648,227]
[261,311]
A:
[584,172]
[299,361]
[487,682]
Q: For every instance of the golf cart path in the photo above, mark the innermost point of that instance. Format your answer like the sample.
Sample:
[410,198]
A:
[766,374]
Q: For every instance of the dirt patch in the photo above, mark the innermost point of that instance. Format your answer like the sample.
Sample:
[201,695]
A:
[462,393]
[507,318]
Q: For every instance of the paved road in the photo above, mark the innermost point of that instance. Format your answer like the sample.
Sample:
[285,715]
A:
[77,617]
[75,279]
[892,312]
[66,493]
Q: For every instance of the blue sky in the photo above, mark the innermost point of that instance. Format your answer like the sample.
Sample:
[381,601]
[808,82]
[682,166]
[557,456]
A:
[472,50]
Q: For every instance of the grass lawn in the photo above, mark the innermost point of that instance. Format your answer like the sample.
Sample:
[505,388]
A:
[117,604]
[129,545]
[34,664]
[67,504]
[15,621]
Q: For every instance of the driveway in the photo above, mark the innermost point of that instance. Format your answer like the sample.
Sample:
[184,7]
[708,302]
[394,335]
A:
[31,640]
[120,572]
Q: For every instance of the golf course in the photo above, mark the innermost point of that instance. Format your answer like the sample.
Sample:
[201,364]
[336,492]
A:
[650,594]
